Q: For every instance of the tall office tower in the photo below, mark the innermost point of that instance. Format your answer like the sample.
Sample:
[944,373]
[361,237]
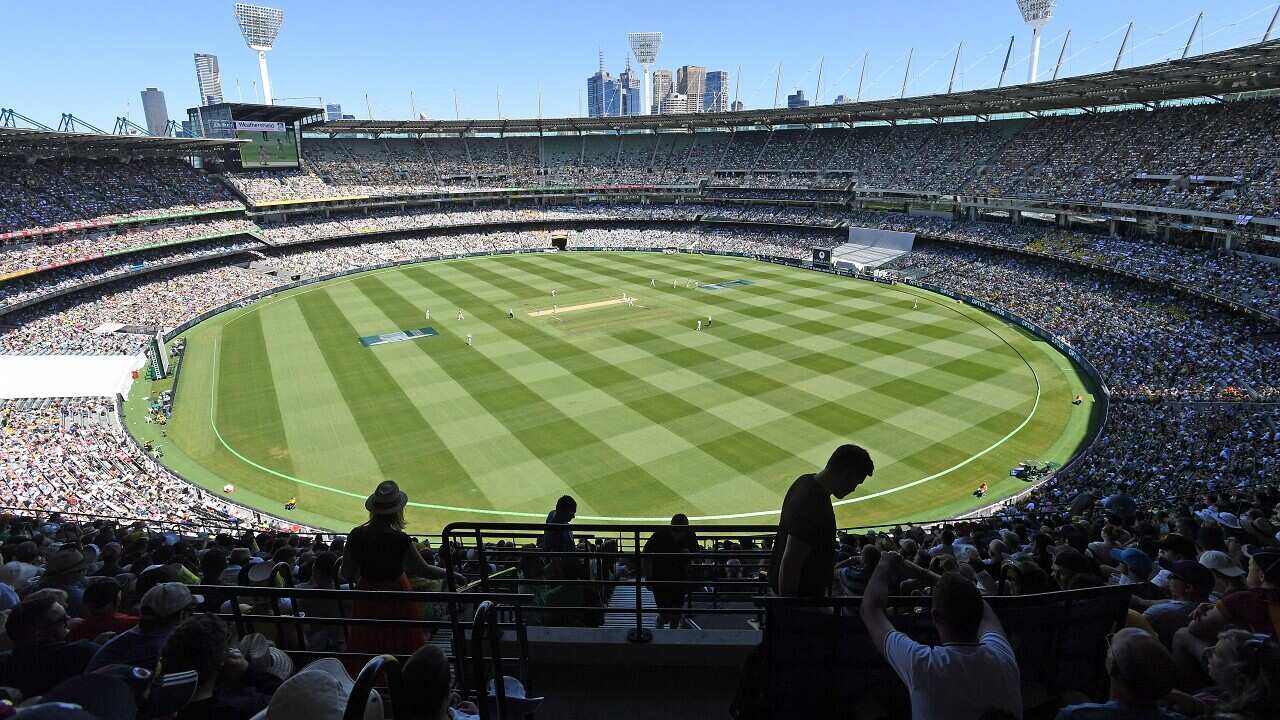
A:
[154,108]
[662,87]
[209,78]
[333,111]
[675,104]
[736,106]
[716,97]
[796,100]
[603,98]
[841,99]
[630,102]
[691,81]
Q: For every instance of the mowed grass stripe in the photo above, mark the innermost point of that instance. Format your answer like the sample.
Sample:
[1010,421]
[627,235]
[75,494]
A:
[248,412]
[905,393]
[396,434]
[324,440]
[483,445]
[773,306]
[559,441]
[850,362]
[745,452]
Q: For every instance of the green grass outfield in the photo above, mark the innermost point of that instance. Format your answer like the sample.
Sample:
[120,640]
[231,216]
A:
[629,409]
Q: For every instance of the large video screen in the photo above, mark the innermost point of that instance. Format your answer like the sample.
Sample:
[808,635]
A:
[267,149]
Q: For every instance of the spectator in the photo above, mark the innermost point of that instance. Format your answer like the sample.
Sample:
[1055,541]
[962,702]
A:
[1141,673]
[1190,584]
[102,611]
[558,537]
[42,656]
[163,608]
[323,638]
[1228,576]
[671,540]
[972,674]
[201,645]
[1256,609]
[804,547]
[320,691]
[1245,670]
[377,556]
[429,690]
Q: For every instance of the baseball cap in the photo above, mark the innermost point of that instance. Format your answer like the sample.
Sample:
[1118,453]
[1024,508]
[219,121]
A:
[1138,561]
[167,599]
[1268,558]
[1189,571]
[318,692]
[1220,562]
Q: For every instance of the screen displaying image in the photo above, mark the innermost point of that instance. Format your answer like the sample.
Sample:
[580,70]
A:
[268,149]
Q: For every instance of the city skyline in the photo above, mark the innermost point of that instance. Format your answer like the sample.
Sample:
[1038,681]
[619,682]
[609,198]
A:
[539,68]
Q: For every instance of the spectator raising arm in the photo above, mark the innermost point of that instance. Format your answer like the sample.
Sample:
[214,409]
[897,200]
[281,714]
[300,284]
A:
[877,598]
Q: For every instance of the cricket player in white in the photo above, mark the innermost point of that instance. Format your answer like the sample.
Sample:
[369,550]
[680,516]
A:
[459,314]
[699,325]
[653,283]
[468,341]
[428,313]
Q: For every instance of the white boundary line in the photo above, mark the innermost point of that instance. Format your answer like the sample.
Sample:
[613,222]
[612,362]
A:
[213,404]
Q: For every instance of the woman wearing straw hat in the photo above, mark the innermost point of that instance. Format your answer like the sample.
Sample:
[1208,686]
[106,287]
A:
[380,556]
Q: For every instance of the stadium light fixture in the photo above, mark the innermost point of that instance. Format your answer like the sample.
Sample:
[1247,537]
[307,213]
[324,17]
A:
[1037,14]
[644,45]
[260,27]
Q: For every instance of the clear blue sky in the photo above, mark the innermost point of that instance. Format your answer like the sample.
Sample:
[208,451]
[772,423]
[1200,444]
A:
[92,57]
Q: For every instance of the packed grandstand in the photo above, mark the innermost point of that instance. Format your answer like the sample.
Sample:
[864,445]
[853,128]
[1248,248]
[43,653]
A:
[1143,239]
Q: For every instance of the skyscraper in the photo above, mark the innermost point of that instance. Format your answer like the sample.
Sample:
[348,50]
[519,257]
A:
[716,97]
[603,97]
[209,78]
[629,92]
[662,87]
[736,106]
[333,111]
[691,81]
[154,108]
[796,100]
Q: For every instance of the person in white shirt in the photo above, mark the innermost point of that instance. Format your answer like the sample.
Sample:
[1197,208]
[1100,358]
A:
[973,671]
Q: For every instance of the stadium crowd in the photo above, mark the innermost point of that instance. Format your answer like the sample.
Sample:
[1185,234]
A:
[62,249]
[50,192]
[1209,157]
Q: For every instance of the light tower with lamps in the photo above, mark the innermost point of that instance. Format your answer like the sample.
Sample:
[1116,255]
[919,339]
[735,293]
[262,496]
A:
[1037,14]
[260,26]
[645,47]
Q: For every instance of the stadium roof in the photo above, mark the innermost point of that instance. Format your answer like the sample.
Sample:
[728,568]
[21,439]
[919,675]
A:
[267,113]
[23,141]
[1243,69]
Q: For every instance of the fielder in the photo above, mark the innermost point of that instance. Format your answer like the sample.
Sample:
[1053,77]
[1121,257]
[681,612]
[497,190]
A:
[468,341]
[699,325]
[511,314]
[459,314]
[428,313]
[553,292]
[915,304]
[653,283]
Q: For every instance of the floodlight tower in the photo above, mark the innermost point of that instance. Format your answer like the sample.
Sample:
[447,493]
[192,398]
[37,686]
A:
[1037,14]
[260,26]
[645,47]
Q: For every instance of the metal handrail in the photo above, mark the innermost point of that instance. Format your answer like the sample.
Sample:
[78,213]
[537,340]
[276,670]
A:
[387,665]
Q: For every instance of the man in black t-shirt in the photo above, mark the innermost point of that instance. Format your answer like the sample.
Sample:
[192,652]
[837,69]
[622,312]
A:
[805,546]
